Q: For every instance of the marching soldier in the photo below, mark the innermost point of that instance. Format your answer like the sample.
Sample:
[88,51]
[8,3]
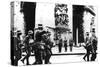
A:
[48,46]
[42,50]
[27,46]
[87,47]
[93,40]
[38,45]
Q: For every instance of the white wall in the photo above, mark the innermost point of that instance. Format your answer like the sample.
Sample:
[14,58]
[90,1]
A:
[87,19]
[18,18]
[45,14]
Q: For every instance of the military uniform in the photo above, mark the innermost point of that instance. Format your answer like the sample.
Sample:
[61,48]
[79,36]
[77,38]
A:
[38,47]
[94,47]
[88,48]
[60,45]
[48,52]
[28,46]
[27,49]
[65,45]
[71,44]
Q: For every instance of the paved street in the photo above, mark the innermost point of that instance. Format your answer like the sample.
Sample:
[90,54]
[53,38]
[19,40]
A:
[64,57]
[60,59]
[75,50]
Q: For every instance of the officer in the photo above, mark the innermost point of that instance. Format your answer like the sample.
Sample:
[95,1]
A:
[27,46]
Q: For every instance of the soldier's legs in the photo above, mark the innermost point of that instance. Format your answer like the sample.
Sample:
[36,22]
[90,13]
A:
[88,54]
[39,57]
[24,58]
[71,48]
[36,57]
[93,57]
[85,56]
[65,48]
[27,60]
[27,57]
[60,47]
[47,57]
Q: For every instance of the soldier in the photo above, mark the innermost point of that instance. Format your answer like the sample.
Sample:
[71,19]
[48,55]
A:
[17,48]
[60,44]
[65,44]
[27,46]
[38,45]
[93,40]
[38,50]
[48,46]
[87,47]
[71,44]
